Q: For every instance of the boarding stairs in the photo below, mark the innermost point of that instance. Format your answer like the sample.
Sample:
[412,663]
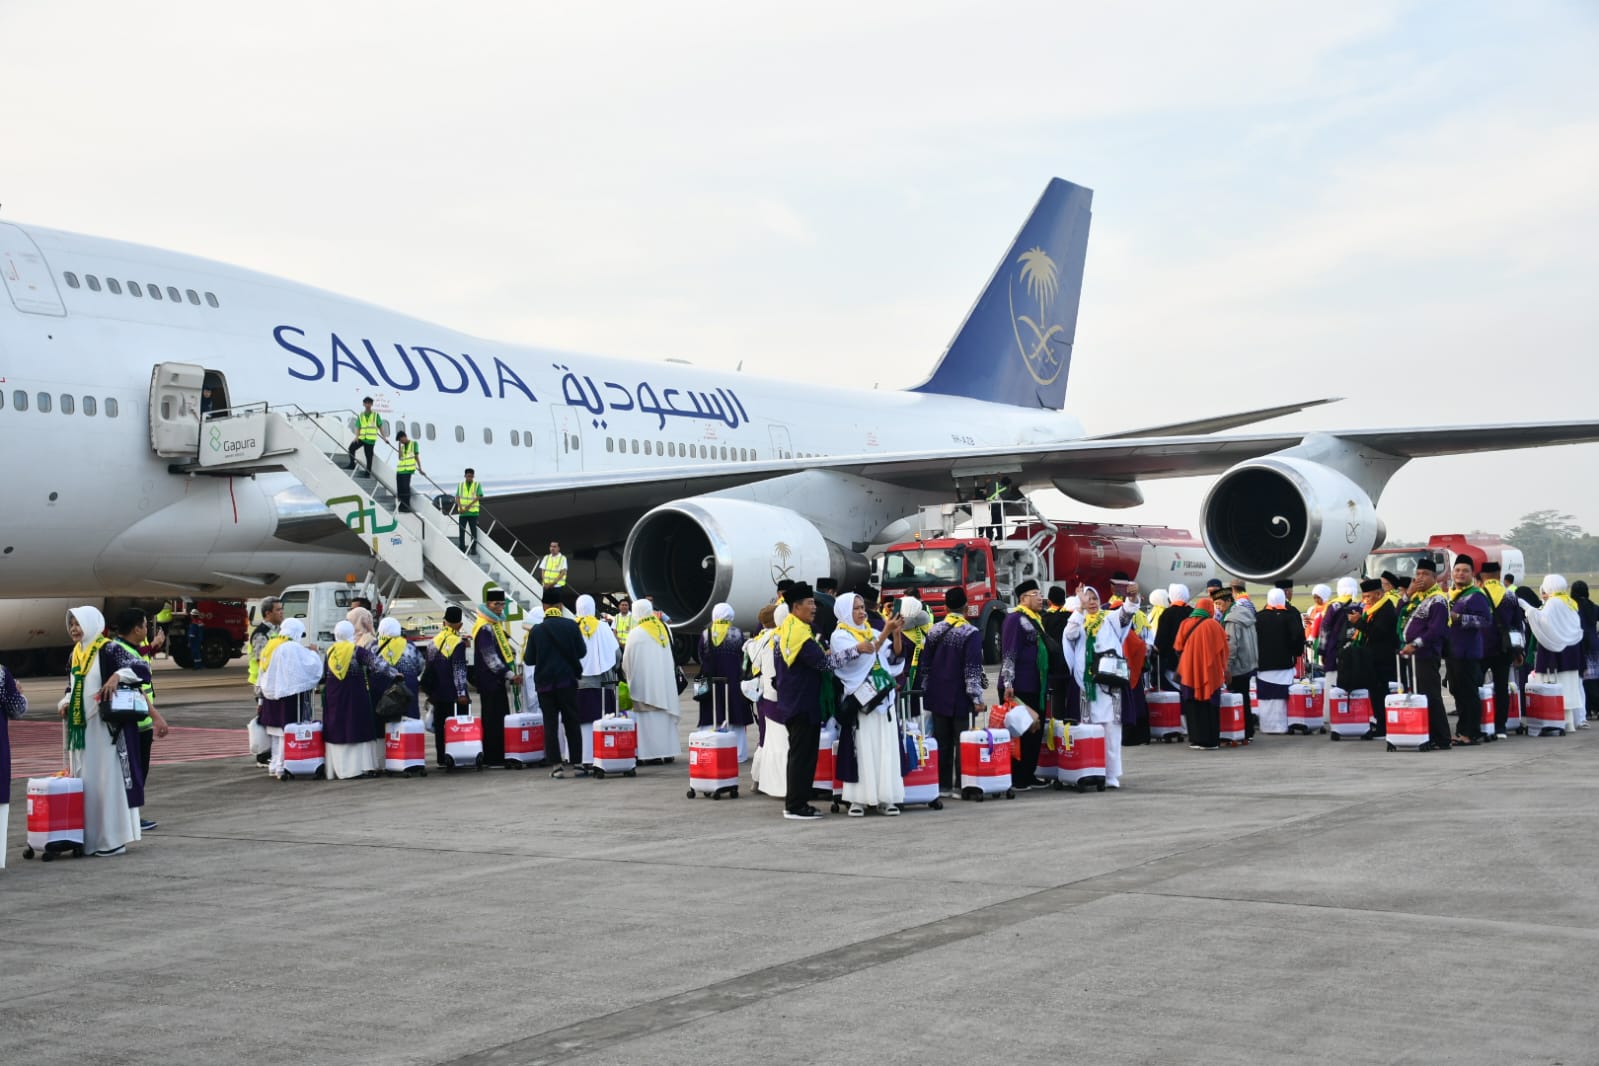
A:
[416,547]
[1023,539]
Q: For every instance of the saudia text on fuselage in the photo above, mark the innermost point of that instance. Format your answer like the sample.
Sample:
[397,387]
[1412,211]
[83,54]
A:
[453,374]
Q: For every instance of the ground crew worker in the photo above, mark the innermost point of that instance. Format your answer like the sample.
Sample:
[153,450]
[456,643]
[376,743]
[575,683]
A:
[368,427]
[163,621]
[552,568]
[468,501]
[409,463]
[623,622]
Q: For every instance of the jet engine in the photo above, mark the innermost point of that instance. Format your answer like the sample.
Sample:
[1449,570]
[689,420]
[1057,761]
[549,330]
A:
[1285,516]
[689,555]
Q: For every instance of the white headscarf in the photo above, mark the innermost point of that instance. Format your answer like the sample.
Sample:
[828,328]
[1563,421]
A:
[779,614]
[92,621]
[642,609]
[1348,586]
[1322,593]
[1159,598]
[1276,598]
[1555,624]
[344,631]
[1178,593]
[844,609]
[293,668]
[910,609]
[722,612]
[600,651]
[1073,604]
[389,627]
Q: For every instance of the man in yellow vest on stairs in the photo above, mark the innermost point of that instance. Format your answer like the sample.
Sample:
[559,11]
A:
[408,463]
[468,501]
[552,569]
[368,427]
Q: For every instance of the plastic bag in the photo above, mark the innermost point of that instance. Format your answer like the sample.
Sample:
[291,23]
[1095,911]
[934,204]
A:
[624,699]
[260,742]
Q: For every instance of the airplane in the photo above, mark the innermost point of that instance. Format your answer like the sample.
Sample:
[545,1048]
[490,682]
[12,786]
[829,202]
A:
[692,486]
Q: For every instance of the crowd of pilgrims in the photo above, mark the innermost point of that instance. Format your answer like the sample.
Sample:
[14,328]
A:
[819,659]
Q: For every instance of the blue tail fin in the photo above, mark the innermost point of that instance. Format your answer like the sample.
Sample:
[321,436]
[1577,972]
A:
[1015,346]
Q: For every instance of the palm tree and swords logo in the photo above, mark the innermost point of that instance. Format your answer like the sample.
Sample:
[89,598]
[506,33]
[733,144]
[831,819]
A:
[1042,279]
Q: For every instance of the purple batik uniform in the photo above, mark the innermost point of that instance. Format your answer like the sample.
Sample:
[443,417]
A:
[347,716]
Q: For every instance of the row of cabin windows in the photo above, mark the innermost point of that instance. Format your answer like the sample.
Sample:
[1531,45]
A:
[44,403]
[674,450]
[418,431]
[113,286]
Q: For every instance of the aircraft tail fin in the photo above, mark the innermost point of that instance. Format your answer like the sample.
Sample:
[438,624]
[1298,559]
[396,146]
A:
[1015,346]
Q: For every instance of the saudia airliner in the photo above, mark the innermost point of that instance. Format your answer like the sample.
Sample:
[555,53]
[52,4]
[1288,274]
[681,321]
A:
[694,486]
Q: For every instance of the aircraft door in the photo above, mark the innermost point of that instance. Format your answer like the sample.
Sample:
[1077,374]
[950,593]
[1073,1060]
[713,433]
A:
[782,447]
[568,438]
[175,409]
[26,275]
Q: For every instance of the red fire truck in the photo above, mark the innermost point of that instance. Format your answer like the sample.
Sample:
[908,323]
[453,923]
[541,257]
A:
[227,631]
[955,548]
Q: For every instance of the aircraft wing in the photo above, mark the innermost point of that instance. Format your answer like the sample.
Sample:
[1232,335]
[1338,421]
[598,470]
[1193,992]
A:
[1218,423]
[605,504]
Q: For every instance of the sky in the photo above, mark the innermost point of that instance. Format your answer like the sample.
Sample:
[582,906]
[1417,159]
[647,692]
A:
[1389,202]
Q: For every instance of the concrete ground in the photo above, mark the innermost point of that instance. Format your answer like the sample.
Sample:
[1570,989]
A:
[1295,901]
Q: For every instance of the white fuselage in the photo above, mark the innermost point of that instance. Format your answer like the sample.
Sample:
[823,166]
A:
[92,510]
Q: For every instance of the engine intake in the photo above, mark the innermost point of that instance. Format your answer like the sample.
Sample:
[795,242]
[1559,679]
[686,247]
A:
[689,555]
[1283,516]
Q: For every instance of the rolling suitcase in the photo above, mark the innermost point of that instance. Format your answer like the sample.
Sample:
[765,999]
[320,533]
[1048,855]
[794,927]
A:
[1406,716]
[822,779]
[1348,713]
[615,741]
[985,764]
[1082,765]
[524,738]
[1490,710]
[713,752]
[1305,710]
[1234,728]
[1513,722]
[921,781]
[304,752]
[55,817]
[1048,769]
[405,749]
[1165,716]
[1545,712]
[463,742]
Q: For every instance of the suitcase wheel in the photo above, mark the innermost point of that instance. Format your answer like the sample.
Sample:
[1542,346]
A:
[716,795]
[478,763]
[835,806]
[936,805]
[629,773]
[599,775]
[1392,748]
[1323,729]
[732,793]
[27,851]
[1081,786]
[48,856]
[1100,787]
[321,774]
[691,793]
[1059,786]
[1336,736]
[1010,793]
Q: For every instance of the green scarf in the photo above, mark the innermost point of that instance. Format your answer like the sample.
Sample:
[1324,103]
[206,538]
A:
[1091,655]
[83,660]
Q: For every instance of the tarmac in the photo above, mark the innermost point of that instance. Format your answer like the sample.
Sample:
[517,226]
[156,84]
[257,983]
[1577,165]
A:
[1295,901]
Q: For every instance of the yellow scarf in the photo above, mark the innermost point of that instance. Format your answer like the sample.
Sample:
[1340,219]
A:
[719,633]
[447,641]
[589,624]
[83,657]
[655,628]
[271,646]
[391,648]
[858,632]
[507,653]
[1030,613]
[552,612]
[1344,598]
[1495,590]
[1455,594]
[791,637]
[1092,622]
[1565,598]
[339,658]
[1154,618]
[918,637]
[956,620]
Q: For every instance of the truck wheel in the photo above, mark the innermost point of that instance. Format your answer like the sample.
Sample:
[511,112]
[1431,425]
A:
[991,633]
[180,655]
[218,649]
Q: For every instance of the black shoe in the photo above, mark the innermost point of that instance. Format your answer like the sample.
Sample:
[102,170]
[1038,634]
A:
[145,825]
[804,814]
[1371,734]
[264,758]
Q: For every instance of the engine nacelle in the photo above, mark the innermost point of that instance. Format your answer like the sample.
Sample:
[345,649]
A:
[689,555]
[1283,516]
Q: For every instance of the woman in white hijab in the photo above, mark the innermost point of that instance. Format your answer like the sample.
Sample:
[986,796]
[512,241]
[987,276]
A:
[290,672]
[769,766]
[361,619]
[652,684]
[869,736]
[1091,635]
[349,728]
[1558,627]
[601,657]
[721,658]
[96,752]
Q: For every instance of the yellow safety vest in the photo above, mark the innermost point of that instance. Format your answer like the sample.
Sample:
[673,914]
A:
[165,613]
[624,626]
[367,424]
[147,722]
[467,494]
[407,463]
[553,565]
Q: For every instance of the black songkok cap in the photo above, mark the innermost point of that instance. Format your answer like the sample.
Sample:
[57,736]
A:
[452,613]
[868,595]
[1426,563]
[955,600]
[1490,568]
[1057,596]
[1371,584]
[798,592]
[1390,577]
[1025,587]
[1467,560]
[1286,584]
[494,595]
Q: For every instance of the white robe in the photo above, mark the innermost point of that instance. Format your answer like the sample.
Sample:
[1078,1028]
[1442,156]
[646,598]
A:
[878,779]
[354,760]
[652,684]
[1106,707]
[108,822]
[1557,627]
